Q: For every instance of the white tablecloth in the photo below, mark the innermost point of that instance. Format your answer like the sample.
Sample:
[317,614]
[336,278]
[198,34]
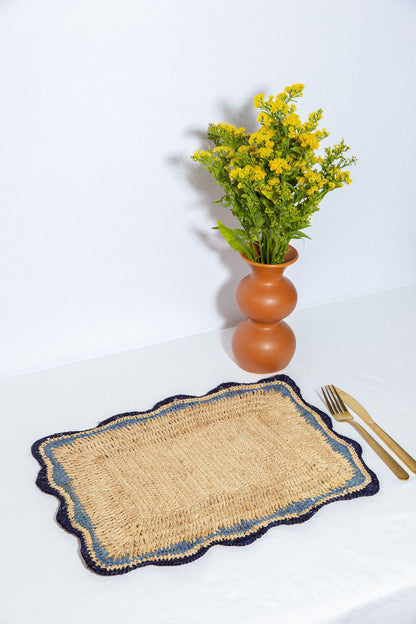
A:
[352,562]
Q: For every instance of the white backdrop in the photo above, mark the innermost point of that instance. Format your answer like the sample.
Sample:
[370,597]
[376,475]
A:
[105,222]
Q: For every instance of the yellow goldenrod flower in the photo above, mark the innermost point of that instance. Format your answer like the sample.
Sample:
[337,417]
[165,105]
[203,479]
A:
[277,105]
[225,127]
[295,89]
[278,164]
[265,152]
[266,133]
[263,118]
[222,149]
[235,173]
[253,138]
[259,100]
[316,116]
[321,134]
[292,120]
[258,173]
[308,140]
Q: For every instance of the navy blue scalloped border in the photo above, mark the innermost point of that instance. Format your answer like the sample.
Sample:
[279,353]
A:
[63,519]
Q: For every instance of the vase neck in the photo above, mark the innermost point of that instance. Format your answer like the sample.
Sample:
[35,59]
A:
[267,272]
[272,271]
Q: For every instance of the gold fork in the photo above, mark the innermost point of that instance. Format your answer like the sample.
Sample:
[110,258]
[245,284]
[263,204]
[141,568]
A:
[339,411]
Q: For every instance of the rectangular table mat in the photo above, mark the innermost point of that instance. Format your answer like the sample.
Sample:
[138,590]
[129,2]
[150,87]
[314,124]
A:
[162,486]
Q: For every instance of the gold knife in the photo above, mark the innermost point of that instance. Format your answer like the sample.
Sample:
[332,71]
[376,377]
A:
[365,416]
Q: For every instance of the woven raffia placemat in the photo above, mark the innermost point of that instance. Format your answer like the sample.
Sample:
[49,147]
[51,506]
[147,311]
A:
[160,487]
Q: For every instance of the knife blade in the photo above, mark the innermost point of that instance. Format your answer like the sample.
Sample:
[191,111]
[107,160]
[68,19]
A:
[407,459]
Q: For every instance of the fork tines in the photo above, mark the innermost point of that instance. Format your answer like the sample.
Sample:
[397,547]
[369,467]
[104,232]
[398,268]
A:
[333,400]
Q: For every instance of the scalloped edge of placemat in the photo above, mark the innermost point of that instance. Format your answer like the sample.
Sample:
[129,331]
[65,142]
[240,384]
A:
[63,518]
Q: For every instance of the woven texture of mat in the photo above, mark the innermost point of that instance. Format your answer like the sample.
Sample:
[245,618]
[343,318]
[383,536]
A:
[161,487]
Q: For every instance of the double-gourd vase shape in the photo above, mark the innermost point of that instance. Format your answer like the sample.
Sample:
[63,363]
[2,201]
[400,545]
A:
[264,342]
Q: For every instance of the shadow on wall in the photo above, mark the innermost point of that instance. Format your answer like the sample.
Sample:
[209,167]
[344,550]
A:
[209,192]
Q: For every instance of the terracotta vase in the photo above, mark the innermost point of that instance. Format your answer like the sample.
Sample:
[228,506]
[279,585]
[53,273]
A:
[264,343]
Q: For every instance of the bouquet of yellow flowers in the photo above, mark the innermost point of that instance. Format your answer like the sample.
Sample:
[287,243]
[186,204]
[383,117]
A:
[273,179]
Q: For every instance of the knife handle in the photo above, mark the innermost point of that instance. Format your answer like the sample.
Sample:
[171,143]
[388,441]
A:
[381,452]
[396,448]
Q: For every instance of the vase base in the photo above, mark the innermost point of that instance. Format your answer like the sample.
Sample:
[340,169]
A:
[263,347]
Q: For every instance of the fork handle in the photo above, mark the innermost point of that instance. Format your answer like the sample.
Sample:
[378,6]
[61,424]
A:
[396,448]
[381,452]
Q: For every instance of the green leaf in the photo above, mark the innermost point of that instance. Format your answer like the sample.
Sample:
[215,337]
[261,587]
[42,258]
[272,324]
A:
[299,234]
[258,221]
[236,239]
[225,201]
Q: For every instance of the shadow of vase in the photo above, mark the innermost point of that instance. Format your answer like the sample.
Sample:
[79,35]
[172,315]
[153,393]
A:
[225,297]
[207,193]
